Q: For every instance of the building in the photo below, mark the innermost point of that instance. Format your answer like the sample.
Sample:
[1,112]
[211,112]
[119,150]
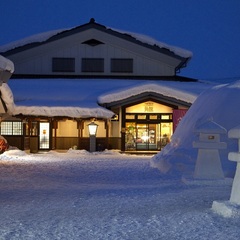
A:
[126,82]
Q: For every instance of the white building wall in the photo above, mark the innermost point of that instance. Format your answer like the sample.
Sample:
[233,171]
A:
[147,62]
[67,128]
[115,130]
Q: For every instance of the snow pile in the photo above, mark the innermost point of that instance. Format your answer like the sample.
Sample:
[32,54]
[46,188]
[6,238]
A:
[220,104]
[85,152]
[226,209]
[15,152]
[6,64]
[73,151]
[7,97]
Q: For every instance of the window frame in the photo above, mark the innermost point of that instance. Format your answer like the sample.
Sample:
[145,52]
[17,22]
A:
[92,65]
[62,64]
[122,65]
[11,128]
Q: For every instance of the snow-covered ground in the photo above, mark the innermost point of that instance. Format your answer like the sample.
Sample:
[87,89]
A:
[107,195]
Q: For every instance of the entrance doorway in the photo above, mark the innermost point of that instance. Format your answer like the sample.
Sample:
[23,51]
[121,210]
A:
[148,126]
[44,136]
[147,136]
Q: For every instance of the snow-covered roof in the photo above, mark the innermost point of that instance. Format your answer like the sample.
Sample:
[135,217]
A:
[36,38]
[47,104]
[164,89]
[79,98]
[151,41]
[6,64]
[42,37]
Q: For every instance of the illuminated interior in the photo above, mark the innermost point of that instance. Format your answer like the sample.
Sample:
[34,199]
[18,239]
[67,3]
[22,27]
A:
[44,135]
[148,126]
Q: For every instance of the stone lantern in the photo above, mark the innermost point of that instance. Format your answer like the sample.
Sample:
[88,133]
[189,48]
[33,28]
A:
[235,156]
[208,165]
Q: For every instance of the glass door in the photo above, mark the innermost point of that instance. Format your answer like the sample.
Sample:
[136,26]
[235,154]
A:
[147,136]
[142,137]
[130,136]
[166,133]
[44,135]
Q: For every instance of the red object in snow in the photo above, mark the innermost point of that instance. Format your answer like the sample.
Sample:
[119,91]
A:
[3,145]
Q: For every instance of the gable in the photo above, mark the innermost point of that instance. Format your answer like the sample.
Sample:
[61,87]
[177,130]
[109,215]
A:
[168,94]
[159,98]
[95,41]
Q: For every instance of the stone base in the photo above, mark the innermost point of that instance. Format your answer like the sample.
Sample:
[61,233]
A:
[208,165]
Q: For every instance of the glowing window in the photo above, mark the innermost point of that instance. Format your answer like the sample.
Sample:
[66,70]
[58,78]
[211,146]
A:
[11,128]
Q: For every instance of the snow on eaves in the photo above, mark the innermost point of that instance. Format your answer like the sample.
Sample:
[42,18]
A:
[153,42]
[41,37]
[73,112]
[168,91]
[36,38]
[6,64]
[67,111]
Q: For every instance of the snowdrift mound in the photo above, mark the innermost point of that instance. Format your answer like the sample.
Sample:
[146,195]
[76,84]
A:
[220,104]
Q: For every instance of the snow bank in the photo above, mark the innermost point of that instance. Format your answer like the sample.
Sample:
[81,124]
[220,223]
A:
[226,209]
[15,152]
[6,64]
[7,97]
[221,104]
[85,152]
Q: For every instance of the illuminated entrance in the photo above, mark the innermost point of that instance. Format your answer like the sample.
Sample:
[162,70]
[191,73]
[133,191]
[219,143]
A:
[44,137]
[148,126]
[144,136]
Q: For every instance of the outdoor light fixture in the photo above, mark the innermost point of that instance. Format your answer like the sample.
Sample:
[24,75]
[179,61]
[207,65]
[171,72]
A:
[92,128]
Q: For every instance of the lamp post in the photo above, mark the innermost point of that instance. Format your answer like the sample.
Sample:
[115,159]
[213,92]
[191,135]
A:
[92,128]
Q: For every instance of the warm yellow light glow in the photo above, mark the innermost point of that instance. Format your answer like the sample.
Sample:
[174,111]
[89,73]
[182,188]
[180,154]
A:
[92,127]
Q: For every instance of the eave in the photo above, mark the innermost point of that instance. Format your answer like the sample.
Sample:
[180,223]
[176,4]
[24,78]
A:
[147,96]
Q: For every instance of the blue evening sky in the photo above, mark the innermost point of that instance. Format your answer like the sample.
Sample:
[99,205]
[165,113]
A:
[208,28]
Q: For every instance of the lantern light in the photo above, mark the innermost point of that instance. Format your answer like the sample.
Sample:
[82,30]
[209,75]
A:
[92,128]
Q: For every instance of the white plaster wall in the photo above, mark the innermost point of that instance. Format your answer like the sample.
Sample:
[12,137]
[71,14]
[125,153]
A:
[67,128]
[147,62]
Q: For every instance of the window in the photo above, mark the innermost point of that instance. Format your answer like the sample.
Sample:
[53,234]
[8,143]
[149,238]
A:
[166,116]
[142,116]
[122,65]
[92,65]
[130,116]
[153,117]
[11,128]
[63,64]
